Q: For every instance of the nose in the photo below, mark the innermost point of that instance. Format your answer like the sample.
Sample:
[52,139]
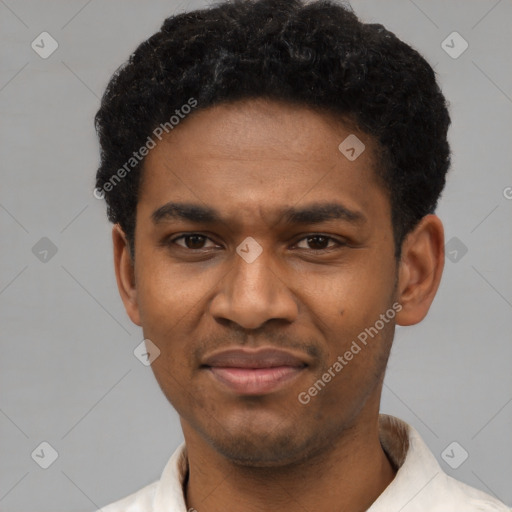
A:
[253,293]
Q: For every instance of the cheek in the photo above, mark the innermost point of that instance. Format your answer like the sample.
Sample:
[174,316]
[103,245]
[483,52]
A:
[346,308]
[167,292]
[355,365]
[348,296]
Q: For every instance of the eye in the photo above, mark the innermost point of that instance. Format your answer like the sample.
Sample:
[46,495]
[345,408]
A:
[319,242]
[314,242]
[193,241]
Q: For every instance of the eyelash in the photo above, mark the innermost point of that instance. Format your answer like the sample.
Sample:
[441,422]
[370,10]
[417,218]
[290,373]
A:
[313,235]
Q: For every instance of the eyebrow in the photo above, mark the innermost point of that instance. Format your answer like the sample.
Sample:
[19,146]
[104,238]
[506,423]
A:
[312,214]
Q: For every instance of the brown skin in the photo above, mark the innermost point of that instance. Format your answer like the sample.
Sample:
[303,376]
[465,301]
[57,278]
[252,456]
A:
[248,160]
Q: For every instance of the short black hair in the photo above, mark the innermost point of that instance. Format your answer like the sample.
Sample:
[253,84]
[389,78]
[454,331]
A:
[316,54]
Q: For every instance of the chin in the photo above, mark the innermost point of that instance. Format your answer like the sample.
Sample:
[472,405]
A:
[246,452]
[265,448]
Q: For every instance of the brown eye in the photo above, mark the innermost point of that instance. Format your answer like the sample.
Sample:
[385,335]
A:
[318,242]
[193,241]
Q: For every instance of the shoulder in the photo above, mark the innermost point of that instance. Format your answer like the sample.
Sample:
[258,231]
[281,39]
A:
[163,494]
[420,484]
[455,494]
[140,501]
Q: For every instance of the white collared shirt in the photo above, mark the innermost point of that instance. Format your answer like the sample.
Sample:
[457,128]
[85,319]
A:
[420,485]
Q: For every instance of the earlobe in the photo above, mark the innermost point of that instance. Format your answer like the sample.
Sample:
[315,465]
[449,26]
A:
[420,270]
[125,273]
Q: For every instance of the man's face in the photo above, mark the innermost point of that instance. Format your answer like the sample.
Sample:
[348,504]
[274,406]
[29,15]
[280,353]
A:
[314,288]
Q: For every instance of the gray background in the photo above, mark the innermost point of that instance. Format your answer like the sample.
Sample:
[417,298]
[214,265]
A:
[68,375]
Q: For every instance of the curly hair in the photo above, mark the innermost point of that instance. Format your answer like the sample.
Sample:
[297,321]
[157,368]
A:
[316,54]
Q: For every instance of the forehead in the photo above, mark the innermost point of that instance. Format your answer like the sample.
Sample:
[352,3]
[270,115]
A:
[254,156]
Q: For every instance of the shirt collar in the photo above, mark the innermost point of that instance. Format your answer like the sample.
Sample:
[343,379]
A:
[416,468]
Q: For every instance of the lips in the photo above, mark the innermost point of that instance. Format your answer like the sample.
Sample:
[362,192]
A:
[254,372]
[261,358]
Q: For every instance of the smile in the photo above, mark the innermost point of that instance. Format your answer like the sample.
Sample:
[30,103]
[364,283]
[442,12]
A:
[254,372]
[255,381]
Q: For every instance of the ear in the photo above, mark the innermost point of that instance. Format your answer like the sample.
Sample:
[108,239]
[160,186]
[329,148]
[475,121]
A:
[125,274]
[420,270]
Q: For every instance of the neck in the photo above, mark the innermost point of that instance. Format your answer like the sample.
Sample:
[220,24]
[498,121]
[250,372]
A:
[348,476]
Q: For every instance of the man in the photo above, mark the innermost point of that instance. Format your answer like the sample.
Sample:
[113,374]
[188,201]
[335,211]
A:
[272,170]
